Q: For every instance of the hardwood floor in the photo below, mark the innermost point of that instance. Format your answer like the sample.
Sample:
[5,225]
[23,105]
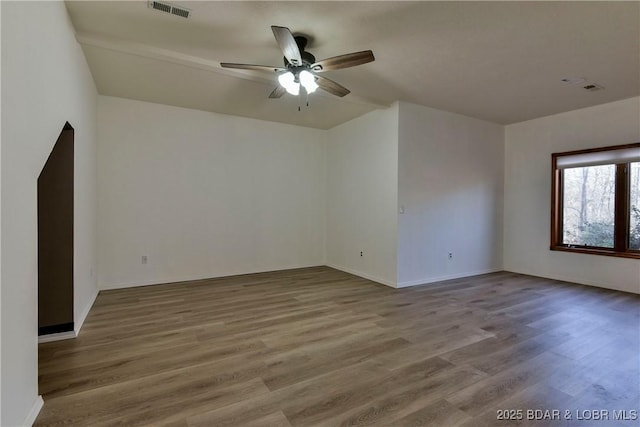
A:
[318,347]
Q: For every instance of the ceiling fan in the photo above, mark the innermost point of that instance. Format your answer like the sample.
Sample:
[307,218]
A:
[302,69]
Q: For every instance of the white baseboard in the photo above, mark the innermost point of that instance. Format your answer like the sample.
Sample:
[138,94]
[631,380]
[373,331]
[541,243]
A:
[60,336]
[33,412]
[158,282]
[574,280]
[164,281]
[363,275]
[83,316]
[428,280]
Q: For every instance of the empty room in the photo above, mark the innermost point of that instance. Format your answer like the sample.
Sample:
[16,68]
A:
[300,213]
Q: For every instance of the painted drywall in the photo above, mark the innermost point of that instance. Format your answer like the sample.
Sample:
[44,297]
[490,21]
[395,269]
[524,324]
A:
[528,185]
[45,82]
[0,231]
[361,188]
[450,188]
[204,195]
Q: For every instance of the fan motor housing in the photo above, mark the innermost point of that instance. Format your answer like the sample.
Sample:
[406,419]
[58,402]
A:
[307,58]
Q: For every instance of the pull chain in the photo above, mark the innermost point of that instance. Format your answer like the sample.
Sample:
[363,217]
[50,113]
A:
[306,102]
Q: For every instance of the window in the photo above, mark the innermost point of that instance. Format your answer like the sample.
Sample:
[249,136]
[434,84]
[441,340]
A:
[634,212]
[596,201]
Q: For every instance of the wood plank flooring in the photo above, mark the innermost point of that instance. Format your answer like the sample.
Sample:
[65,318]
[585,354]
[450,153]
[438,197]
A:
[318,347]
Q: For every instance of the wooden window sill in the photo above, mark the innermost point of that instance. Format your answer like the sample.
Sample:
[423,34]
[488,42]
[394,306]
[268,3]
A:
[594,251]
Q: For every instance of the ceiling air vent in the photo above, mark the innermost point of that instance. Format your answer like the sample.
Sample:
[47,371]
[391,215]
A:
[592,87]
[170,8]
[574,80]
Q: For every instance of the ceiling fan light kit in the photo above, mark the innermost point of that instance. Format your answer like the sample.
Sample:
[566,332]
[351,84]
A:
[292,81]
[301,68]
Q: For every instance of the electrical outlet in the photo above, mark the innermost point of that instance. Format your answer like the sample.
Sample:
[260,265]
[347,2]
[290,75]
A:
[450,255]
[361,253]
[144,259]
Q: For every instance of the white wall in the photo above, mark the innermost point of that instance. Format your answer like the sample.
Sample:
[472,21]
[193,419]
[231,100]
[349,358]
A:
[204,195]
[0,234]
[450,184]
[528,185]
[362,187]
[45,82]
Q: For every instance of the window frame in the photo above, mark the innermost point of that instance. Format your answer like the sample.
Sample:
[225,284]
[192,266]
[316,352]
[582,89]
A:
[622,209]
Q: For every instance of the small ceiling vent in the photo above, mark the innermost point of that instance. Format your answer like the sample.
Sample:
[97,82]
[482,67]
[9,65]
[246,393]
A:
[574,80]
[592,87]
[170,8]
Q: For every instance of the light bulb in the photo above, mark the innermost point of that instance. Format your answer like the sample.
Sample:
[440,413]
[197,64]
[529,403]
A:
[293,88]
[287,80]
[308,80]
[311,87]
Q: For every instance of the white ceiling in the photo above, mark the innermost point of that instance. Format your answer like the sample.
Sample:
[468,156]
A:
[497,61]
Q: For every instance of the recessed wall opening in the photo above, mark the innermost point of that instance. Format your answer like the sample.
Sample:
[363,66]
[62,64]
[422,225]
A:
[55,238]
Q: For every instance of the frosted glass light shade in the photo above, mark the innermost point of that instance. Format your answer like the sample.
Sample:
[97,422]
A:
[287,80]
[308,80]
[293,89]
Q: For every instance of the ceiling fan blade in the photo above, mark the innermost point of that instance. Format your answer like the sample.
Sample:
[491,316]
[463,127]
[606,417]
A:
[265,68]
[344,61]
[331,86]
[287,44]
[277,92]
